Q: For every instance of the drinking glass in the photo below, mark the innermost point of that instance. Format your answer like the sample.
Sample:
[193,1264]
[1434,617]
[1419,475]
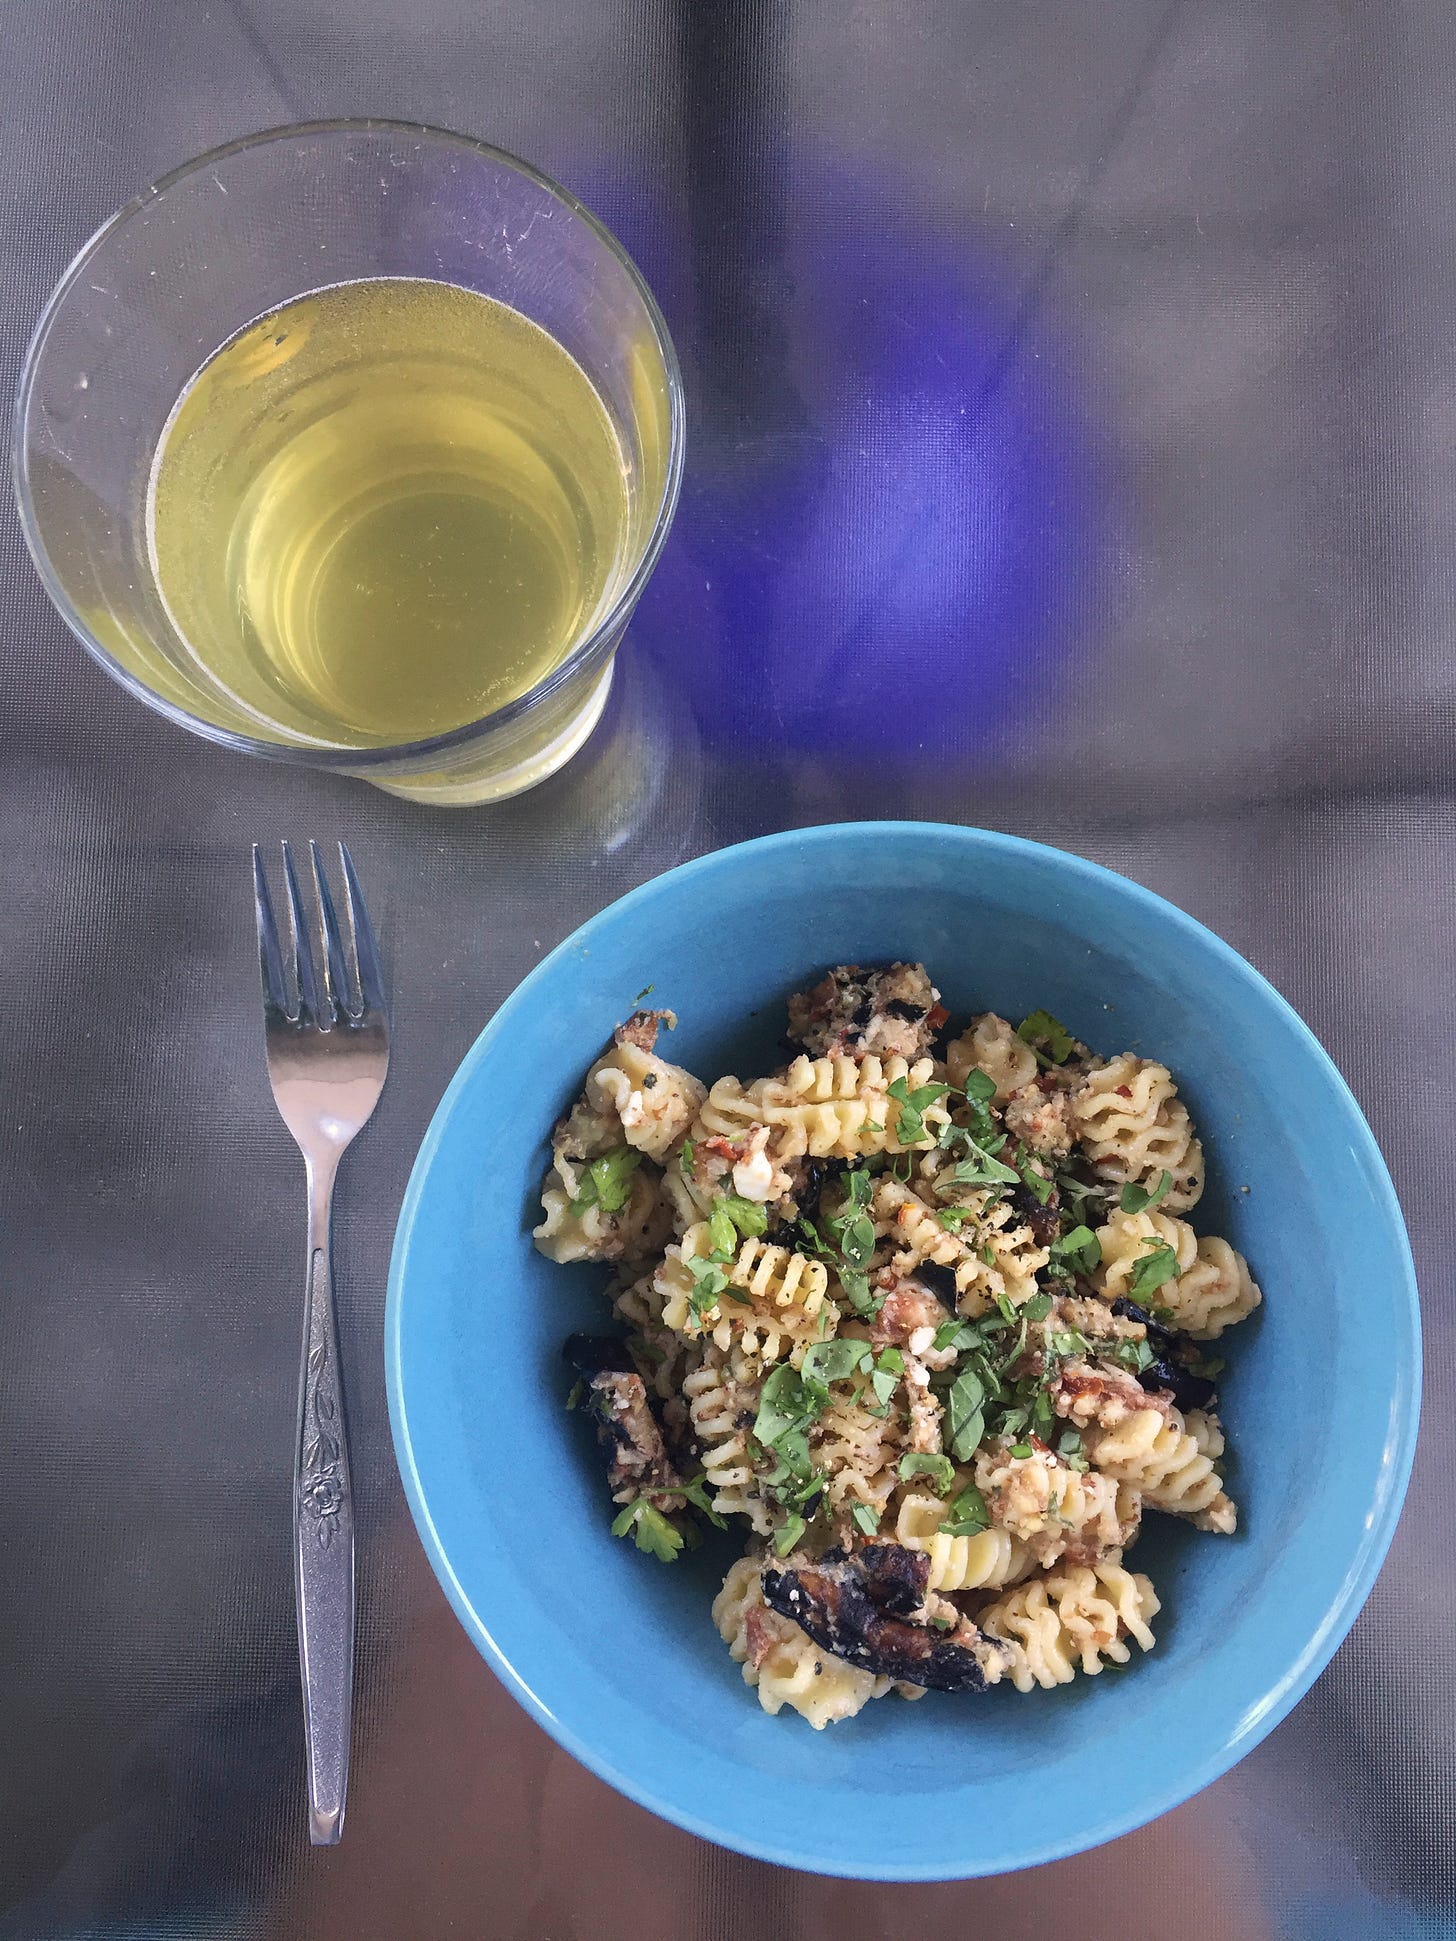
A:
[234,235]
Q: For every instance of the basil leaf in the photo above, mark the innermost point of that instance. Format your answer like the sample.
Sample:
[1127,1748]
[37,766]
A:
[939,1468]
[1037,1184]
[748,1216]
[867,1518]
[836,1361]
[1079,1250]
[967,1514]
[722,1234]
[1138,1199]
[1038,1307]
[1155,1268]
[980,1086]
[788,1536]
[967,1423]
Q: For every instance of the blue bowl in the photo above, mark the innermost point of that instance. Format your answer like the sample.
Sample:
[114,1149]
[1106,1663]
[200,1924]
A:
[617,1655]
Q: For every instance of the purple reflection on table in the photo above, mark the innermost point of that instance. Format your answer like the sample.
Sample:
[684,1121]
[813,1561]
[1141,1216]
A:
[890,511]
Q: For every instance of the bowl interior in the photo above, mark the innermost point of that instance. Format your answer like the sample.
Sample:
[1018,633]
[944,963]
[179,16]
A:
[616,1654]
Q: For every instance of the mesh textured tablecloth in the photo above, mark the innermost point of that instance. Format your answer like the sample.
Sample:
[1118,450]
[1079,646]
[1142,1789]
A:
[1073,450]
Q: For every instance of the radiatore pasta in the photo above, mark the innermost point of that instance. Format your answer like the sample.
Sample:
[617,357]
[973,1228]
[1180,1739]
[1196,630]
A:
[923,1315]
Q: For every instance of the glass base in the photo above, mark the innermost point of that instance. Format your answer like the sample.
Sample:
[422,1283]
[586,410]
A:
[467,787]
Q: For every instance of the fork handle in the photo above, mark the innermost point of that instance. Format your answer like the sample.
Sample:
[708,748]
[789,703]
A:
[323,1535]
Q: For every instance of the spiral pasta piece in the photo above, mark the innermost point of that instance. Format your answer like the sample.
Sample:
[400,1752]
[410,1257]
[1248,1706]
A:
[1077,1618]
[985,1561]
[992,1046]
[1171,1461]
[774,1298]
[1133,1126]
[827,1108]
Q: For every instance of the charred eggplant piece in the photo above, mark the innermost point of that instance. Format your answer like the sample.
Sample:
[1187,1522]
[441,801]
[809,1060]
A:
[848,1606]
[616,1400]
[1189,1391]
[1045,1221]
[940,1281]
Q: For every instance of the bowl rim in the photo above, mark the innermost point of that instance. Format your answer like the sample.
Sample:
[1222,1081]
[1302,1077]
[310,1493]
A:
[1285,1690]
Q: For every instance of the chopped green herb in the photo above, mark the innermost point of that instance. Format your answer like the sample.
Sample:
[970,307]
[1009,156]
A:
[1069,1442]
[722,1234]
[687,1154]
[1043,1033]
[872,1125]
[1068,1342]
[650,1530]
[1078,1251]
[953,1218]
[980,1087]
[788,1536]
[1005,1309]
[1135,1355]
[607,1181]
[696,1491]
[578,1389]
[1156,1267]
[967,1421]
[1037,1184]
[943,1623]
[646,991]
[785,1404]
[910,1126]
[748,1216]
[836,1361]
[939,1468]
[856,1285]
[1021,1450]
[1138,1199]
[954,1333]
[967,1514]
[866,1517]
[1038,1307]
[988,1254]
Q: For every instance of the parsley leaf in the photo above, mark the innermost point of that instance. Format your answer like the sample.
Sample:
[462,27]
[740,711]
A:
[867,1518]
[1043,1033]
[953,1218]
[1038,1307]
[1156,1267]
[788,1536]
[607,1181]
[910,1127]
[967,1514]
[650,1530]
[696,1491]
[938,1468]
[687,1152]
[1141,1199]
[748,1216]
[1136,1355]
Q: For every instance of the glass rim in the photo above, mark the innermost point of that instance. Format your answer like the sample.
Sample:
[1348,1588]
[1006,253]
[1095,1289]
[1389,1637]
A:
[331,754]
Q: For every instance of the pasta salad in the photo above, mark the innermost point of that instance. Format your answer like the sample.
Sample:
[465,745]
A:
[923,1312]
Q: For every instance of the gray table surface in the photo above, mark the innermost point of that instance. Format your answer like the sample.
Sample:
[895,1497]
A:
[1073,413]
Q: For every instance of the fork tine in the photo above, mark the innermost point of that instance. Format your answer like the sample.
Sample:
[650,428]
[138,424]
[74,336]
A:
[366,951]
[270,957]
[337,981]
[310,1010]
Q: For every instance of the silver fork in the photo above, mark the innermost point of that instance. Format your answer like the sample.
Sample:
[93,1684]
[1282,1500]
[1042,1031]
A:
[328,1052]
